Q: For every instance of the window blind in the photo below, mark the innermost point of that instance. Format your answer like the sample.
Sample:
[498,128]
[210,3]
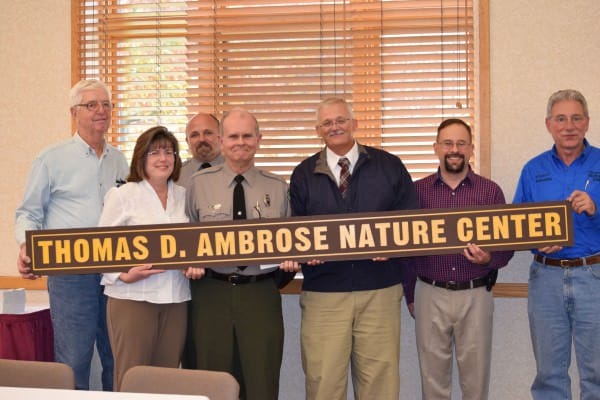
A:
[404,65]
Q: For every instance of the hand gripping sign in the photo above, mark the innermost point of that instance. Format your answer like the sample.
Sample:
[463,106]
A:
[324,237]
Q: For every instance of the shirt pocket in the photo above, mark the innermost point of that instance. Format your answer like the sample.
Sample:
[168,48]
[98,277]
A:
[215,212]
[270,212]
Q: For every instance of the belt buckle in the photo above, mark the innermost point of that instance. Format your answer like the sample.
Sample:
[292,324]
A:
[451,285]
[564,263]
[232,279]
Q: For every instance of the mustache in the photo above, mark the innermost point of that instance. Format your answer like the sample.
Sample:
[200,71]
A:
[336,132]
[449,155]
[203,144]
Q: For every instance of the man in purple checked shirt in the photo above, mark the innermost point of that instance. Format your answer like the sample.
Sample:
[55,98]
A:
[453,302]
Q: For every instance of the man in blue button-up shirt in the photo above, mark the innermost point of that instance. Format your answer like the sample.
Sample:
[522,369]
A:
[65,189]
[564,282]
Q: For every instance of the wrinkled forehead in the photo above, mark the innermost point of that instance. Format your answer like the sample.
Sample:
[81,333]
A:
[333,111]
[567,107]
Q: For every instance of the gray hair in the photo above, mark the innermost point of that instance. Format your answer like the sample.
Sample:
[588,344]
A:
[566,94]
[76,93]
[334,100]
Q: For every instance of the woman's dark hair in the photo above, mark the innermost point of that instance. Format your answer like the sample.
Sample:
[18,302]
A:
[155,138]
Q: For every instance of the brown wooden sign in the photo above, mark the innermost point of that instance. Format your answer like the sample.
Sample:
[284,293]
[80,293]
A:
[325,237]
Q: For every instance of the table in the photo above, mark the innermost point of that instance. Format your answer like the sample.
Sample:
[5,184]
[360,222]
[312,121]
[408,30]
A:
[27,336]
[18,393]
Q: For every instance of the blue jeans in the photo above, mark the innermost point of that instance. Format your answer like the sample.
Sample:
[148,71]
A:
[78,311]
[564,308]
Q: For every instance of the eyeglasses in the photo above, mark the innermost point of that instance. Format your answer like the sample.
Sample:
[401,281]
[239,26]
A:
[449,144]
[95,105]
[157,153]
[563,119]
[329,123]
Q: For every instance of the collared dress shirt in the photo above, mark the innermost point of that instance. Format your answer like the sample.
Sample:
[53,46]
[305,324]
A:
[136,203]
[332,161]
[547,178]
[474,190]
[66,186]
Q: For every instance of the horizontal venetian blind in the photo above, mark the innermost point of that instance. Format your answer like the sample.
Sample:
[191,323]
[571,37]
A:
[404,65]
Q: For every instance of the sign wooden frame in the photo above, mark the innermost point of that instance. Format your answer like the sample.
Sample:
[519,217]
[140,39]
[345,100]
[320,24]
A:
[324,237]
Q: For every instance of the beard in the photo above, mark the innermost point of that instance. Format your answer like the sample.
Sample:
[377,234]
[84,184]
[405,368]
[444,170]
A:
[204,149]
[454,168]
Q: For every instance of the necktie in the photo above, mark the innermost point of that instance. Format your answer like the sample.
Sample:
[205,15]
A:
[239,203]
[204,165]
[344,164]
[239,200]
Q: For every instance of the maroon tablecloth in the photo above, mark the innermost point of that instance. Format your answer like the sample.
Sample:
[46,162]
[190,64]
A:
[27,336]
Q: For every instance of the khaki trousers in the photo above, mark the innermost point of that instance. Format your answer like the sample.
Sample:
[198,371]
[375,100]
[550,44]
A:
[454,318]
[361,328]
[143,333]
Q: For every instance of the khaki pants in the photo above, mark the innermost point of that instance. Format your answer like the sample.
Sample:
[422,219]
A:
[361,327]
[460,318]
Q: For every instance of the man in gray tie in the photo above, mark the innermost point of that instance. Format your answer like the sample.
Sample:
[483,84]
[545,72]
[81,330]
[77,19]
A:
[202,137]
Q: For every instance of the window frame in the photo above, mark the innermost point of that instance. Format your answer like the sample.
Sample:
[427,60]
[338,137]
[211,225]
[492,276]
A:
[481,114]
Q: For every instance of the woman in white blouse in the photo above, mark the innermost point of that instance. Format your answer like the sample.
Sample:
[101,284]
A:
[147,307]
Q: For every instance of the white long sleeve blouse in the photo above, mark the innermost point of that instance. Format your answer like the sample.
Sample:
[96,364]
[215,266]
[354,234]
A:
[136,203]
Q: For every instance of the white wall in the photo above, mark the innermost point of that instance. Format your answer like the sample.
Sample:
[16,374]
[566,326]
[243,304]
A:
[35,77]
[537,47]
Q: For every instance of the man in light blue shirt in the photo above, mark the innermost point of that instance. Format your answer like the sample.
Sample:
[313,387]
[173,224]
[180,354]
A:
[564,282]
[65,189]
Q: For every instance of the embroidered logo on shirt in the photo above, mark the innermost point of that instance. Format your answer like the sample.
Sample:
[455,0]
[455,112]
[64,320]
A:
[543,177]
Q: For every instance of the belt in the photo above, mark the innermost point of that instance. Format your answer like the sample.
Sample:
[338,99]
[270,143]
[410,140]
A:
[237,279]
[453,285]
[567,262]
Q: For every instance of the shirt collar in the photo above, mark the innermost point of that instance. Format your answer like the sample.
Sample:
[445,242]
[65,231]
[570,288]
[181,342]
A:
[218,160]
[469,178]
[144,182]
[351,155]
[87,148]
[584,153]
[249,175]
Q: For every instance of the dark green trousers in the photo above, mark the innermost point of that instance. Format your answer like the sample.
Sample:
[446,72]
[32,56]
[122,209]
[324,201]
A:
[239,329]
